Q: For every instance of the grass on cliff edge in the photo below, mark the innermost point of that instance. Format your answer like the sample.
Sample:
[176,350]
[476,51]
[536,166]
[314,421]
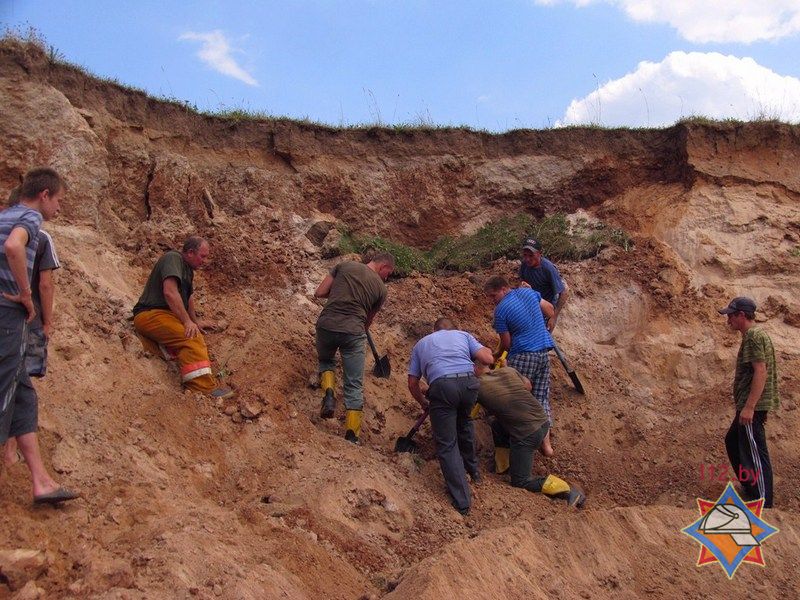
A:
[561,238]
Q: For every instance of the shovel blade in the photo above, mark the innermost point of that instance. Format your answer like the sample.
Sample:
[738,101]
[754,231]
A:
[382,368]
[577,383]
[405,444]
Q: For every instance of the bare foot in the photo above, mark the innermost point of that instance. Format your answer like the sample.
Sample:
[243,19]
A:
[11,455]
[546,448]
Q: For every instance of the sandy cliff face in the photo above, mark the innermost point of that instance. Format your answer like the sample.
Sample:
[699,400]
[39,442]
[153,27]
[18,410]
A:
[257,497]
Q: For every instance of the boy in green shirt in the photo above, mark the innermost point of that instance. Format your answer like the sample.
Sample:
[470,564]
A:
[755,392]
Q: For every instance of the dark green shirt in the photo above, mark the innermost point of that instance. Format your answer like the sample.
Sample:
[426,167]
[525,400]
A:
[169,265]
[356,291]
[504,395]
[756,347]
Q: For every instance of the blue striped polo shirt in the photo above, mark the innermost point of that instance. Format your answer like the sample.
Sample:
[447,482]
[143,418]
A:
[30,220]
[520,314]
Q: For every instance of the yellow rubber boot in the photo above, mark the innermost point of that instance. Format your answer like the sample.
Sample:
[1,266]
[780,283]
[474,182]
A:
[502,460]
[352,424]
[327,381]
[555,487]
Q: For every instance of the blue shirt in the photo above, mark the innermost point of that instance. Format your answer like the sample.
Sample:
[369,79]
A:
[545,279]
[444,352]
[11,218]
[520,314]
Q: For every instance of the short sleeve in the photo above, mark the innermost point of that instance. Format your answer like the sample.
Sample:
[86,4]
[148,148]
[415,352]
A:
[30,221]
[172,266]
[47,251]
[414,367]
[558,283]
[499,324]
[474,345]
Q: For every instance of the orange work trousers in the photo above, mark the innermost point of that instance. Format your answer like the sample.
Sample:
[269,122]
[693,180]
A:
[162,333]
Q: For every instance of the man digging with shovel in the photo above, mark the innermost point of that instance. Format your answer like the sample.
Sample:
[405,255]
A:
[355,293]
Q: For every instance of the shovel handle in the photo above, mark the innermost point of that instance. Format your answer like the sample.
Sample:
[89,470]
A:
[562,358]
[372,346]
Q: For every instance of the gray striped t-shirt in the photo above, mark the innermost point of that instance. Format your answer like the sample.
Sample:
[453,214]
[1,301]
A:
[11,218]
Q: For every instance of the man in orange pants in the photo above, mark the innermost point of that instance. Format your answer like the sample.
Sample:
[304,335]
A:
[166,322]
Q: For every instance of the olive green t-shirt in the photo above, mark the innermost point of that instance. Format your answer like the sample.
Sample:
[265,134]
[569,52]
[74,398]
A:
[756,347]
[169,265]
[356,291]
[502,393]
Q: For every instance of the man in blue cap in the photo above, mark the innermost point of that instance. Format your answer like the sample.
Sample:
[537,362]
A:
[755,393]
[540,274]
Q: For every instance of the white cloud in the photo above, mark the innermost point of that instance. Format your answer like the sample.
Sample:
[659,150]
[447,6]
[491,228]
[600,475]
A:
[703,21]
[215,51]
[689,84]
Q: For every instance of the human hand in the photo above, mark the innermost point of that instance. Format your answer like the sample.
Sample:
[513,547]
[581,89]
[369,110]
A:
[746,416]
[525,284]
[26,300]
[47,328]
[551,323]
[190,330]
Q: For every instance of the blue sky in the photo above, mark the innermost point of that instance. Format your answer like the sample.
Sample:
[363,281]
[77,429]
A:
[492,65]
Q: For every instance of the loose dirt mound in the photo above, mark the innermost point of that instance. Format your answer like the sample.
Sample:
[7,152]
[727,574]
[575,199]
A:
[258,498]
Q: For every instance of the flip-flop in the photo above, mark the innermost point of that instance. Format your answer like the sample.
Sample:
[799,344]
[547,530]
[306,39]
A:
[56,497]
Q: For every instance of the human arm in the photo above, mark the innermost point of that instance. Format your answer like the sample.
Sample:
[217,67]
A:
[416,391]
[173,297]
[324,289]
[505,344]
[202,324]
[560,304]
[547,310]
[16,256]
[756,389]
[484,355]
[46,294]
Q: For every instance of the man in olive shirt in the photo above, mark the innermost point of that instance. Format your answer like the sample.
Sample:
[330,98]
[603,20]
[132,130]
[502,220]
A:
[519,427]
[755,393]
[165,319]
[355,293]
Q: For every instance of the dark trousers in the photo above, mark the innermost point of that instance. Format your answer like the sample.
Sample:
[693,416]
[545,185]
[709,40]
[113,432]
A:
[521,455]
[451,402]
[747,451]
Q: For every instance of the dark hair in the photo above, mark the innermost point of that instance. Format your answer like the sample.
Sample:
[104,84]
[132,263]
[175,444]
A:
[496,283]
[748,315]
[384,258]
[38,180]
[193,243]
[443,323]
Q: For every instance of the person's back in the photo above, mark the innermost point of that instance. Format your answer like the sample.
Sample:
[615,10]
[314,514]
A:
[518,313]
[356,290]
[443,352]
[503,394]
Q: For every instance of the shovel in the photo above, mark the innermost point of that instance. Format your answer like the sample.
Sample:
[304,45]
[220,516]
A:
[407,443]
[570,371]
[382,367]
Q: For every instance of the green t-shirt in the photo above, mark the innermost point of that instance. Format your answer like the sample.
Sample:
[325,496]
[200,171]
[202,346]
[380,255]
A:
[756,347]
[503,394]
[169,265]
[356,291]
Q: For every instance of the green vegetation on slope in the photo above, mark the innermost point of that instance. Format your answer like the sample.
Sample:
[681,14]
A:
[561,239]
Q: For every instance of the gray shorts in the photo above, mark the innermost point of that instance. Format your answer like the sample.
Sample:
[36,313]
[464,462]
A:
[19,407]
[36,352]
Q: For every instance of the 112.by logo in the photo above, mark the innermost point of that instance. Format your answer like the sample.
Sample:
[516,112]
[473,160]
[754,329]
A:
[723,472]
